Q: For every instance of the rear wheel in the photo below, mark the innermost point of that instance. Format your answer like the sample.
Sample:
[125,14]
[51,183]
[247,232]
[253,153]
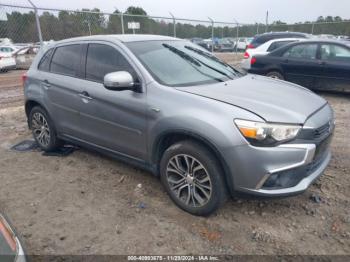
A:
[43,129]
[275,75]
[193,178]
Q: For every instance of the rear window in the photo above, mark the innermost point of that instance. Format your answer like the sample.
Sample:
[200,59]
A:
[44,64]
[261,39]
[278,44]
[66,60]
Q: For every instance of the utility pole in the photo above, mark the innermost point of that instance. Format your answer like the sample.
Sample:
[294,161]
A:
[237,34]
[122,21]
[267,21]
[212,34]
[174,23]
[37,22]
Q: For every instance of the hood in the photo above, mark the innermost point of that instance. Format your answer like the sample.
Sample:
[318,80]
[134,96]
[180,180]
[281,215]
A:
[273,100]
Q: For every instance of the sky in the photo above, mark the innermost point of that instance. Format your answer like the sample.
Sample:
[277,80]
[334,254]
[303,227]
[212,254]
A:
[250,11]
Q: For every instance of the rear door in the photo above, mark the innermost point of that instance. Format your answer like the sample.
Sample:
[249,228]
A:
[300,64]
[110,119]
[63,88]
[336,67]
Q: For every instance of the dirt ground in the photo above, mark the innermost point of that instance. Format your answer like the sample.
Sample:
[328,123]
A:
[86,203]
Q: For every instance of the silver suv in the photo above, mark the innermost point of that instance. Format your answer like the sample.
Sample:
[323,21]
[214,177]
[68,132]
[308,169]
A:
[173,108]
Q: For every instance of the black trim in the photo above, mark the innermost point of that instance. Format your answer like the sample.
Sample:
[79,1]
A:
[111,153]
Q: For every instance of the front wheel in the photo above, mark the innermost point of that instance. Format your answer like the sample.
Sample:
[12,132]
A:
[193,178]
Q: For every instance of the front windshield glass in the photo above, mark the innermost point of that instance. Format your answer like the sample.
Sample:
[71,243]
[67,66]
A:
[181,63]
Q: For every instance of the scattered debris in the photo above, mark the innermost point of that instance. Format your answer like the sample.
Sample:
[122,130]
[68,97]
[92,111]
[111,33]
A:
[262,236]
[121,179]
[316,198]
[141,205]
[210,235]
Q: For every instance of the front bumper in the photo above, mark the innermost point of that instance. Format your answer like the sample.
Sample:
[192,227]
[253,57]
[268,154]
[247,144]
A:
[287,169]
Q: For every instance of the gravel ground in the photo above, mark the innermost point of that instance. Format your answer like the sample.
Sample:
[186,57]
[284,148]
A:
[86,203]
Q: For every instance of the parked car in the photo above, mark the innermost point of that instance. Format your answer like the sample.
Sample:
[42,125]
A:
[263,38]
[7,62]
[224,45]
[243,42]
[11,249]
[207,130]
[265,49]
[8,49]
[315,64]
[25,56]
[205,44]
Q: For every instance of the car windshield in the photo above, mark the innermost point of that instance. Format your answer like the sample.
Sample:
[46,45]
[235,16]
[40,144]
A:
[181,63]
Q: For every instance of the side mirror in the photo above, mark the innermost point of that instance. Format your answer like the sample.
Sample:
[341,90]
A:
[119,81]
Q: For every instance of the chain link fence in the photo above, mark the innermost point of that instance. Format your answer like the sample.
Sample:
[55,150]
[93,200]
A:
[29,24]
[18,23]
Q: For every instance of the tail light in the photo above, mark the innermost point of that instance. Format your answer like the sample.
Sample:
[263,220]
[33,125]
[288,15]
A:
[250,46]
[0,57]
[253,61]
[24,78]
[246,55]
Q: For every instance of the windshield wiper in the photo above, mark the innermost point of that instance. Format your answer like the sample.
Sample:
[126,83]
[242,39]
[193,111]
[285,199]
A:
[212,57]
[182,54]
[190,59]
[197,61]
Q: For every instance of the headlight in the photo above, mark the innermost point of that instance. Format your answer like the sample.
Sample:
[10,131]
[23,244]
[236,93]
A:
[260,133]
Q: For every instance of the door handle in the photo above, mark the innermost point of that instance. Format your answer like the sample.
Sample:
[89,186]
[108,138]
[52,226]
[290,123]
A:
[321,62]
[46,84]
[85,95]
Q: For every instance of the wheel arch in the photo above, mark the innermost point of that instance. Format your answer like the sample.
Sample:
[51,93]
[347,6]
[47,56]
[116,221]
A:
[168,138]
[30,104]
[275,69]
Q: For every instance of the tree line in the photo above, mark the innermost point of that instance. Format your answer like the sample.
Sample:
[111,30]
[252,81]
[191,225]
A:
[21,27]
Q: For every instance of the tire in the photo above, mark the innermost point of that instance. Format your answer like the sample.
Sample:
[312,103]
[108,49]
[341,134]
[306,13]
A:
[43,129]
[275,75]
[202,189]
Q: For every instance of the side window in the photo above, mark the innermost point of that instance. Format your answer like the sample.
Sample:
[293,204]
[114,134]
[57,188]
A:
[66,60]
[103,59]
[44,63]
[303,51]
[335,53]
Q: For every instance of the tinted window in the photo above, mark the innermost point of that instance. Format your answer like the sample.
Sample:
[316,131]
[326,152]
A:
[66,60]
[103,59]
[6,49]
[335,53]
[44,64]
[304,51]
[278,44]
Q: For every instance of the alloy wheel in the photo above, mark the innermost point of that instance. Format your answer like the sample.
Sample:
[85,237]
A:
[188,180]
[40,129]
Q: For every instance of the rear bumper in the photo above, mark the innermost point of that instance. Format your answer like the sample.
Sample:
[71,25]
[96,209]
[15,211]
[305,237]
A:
[256,71]
[8,67]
